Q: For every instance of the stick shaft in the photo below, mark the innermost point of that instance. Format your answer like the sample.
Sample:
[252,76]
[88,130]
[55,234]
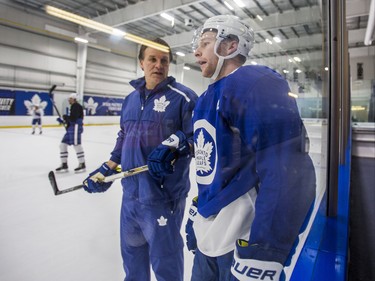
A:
[126,174]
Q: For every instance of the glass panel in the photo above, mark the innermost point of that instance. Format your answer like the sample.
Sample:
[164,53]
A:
[292,43]
[295,44]
[363,101]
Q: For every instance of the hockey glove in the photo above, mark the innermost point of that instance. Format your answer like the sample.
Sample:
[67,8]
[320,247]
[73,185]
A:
[244,268]
[160,161]
[191,241]
[61,122]
[94,182]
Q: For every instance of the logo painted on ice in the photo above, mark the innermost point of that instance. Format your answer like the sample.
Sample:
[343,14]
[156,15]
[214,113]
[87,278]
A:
[205,151]
[162,221]
[161,104]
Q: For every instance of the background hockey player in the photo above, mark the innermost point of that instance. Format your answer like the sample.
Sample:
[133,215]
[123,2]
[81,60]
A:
[73,136]
[36,113]
[256,181]
[152,208]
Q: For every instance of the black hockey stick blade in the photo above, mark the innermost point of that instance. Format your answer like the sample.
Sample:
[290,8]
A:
[52,89]
[56,191]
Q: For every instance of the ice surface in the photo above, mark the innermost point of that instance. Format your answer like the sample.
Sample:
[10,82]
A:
[73,236]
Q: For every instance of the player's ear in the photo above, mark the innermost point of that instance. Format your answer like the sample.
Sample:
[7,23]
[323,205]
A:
[232,46]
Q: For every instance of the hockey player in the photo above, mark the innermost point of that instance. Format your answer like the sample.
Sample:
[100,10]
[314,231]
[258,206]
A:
[73,136]
[36,113]
[255,180]
[152,208]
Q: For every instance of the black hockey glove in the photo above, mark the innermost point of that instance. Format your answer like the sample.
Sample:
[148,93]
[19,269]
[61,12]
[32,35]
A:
[191,241]
[161,159]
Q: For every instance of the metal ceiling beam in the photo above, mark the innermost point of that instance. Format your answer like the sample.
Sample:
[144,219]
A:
[142,10]
[273,22]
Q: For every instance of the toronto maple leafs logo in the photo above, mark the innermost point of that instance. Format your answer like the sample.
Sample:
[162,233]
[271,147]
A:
[162,221]
[161,104]
[91,106]
[35,101]
[205,151]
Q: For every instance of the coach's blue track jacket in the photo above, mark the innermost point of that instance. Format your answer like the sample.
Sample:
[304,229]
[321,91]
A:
[145,123]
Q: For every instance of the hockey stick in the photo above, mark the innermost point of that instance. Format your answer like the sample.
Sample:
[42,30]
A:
[50,92]
[124,174]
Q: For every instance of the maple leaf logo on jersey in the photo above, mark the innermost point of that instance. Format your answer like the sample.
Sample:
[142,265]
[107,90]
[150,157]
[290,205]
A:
[203,153]
[162,221]
[161,104]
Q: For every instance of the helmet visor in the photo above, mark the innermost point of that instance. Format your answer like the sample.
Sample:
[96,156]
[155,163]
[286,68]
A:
[201,36]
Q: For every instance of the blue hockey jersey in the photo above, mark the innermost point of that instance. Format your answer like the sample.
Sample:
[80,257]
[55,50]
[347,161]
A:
[248,134]
[145,123]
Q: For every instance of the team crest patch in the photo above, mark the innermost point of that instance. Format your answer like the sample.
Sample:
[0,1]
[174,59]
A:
[161,104]
[203,151]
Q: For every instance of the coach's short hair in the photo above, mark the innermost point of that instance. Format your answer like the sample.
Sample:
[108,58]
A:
[159,41]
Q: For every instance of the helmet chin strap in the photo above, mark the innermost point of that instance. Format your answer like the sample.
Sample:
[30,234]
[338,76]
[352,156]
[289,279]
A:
[220,62]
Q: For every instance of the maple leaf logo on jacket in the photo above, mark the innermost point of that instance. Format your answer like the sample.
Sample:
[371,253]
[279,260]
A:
[161,104]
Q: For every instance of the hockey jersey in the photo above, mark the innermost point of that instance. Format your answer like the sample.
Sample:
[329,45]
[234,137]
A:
[248,134]
[145,122]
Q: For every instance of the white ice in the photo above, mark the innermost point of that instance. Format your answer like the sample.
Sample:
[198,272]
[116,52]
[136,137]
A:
[73,236]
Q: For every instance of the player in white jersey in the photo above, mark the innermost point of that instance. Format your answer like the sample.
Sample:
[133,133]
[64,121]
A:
[36,113]
[256,181]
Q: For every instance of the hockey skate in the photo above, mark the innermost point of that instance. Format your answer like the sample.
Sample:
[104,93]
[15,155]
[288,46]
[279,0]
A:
[81,168]
[63,168]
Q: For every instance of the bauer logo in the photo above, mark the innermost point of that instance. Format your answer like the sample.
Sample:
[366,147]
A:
[205,151]
[253,272]
[161,104]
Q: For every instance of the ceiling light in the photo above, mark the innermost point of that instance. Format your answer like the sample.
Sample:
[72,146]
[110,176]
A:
[180,54]
[228,5]
[326,68]
[297,59]
[254,63]
[293,95]
[186,68]
[81,40]
[298,70]
[102,27]
[239,3]
[118,32]
[167,17]
[277,39]
[259,18]
[268,41]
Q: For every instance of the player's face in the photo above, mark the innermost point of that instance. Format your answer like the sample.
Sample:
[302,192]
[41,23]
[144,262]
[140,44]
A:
[205,55]
[155,65]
